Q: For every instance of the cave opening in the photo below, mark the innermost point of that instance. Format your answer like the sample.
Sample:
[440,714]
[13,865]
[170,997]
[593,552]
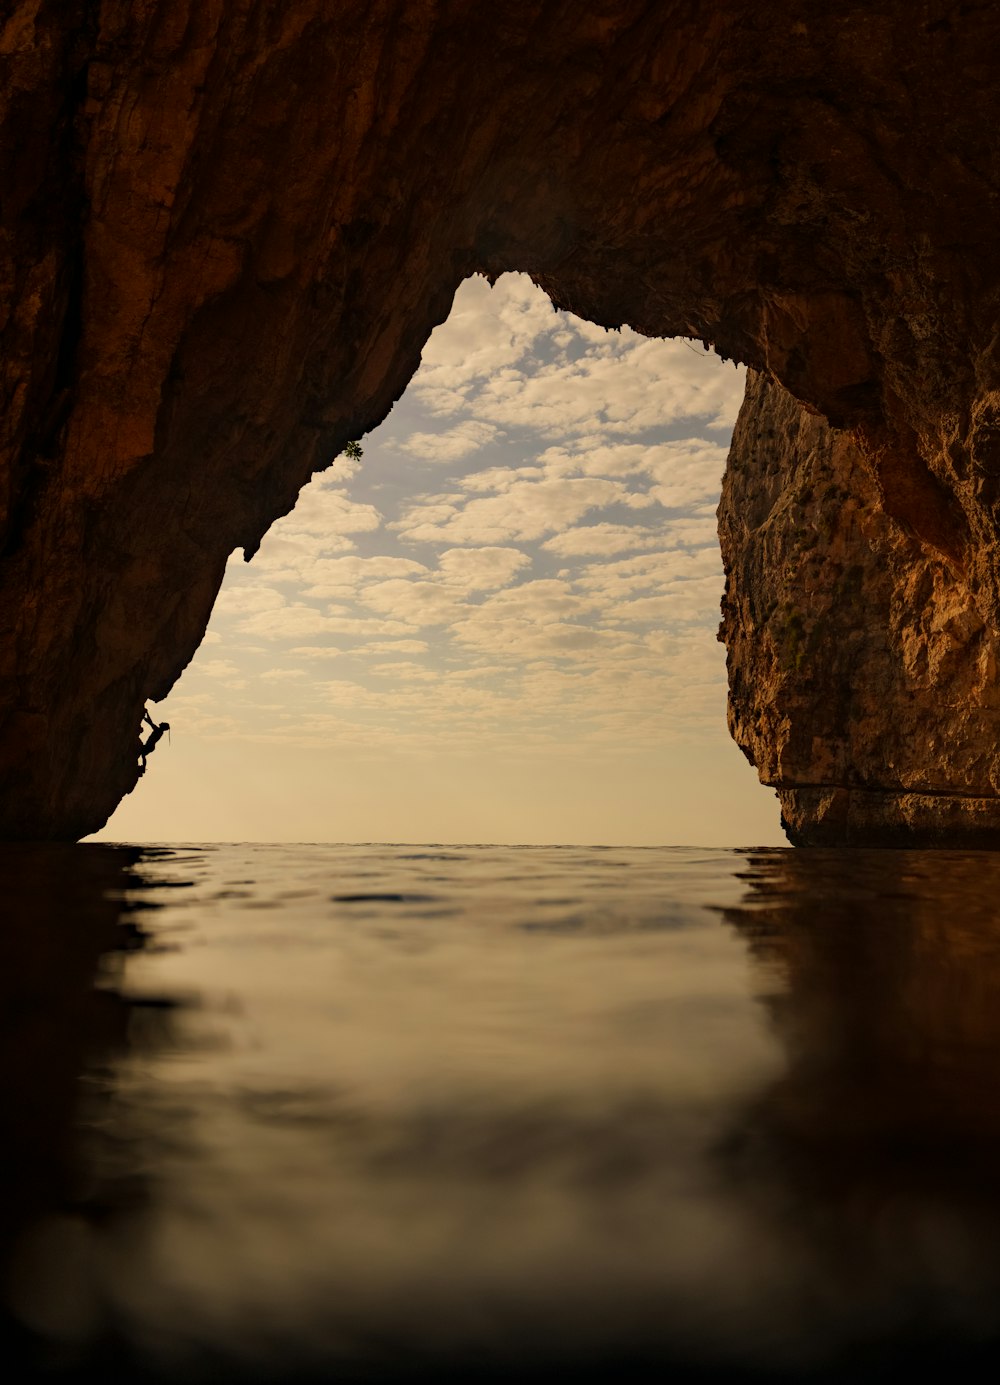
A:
[498,625]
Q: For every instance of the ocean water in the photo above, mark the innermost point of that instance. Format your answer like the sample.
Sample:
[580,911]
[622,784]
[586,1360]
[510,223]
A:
[394,1113]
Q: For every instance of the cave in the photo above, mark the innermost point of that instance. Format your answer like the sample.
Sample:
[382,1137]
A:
[228,229]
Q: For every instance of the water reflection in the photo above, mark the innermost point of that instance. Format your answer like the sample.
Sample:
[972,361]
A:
[62,933]
[881,974]
[386,1113]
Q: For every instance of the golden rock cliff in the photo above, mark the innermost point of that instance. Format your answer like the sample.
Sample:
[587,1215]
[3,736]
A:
[862,671]
[228,227]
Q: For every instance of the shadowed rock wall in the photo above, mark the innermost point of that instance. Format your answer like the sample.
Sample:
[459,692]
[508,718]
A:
[229,226]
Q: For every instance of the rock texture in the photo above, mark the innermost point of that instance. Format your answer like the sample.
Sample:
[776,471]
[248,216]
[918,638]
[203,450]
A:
[229,226]
[862,673]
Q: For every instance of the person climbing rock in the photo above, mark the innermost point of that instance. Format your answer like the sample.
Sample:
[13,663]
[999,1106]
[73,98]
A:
[147,746]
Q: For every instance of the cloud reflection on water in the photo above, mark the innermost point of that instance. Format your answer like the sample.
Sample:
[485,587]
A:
[490,1109]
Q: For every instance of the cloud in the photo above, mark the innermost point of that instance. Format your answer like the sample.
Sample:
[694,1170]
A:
[244,599]
[409,672]
[495,478]
[340,579]
[682,473]
[553,496]
[450,444]
[695,599]
[365,625]
[647,572]
[528,509]
[293,621]
[538,618]
[522,639]
[687,474]
[470,641]
[508,359]
[326,512]
[415,603]
[488,331]
[219,668]
[634,387]
[602,539]
[321,525]
[287,558]
[544,599]
[481,569]
[695,533]
[394,647]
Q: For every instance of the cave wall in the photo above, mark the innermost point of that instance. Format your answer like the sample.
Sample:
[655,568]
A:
[229,226]
[862,672]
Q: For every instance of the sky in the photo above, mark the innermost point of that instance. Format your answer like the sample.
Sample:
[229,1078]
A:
[499,625]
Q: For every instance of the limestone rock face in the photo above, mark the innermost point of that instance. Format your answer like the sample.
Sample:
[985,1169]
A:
[862,674]
[228,226]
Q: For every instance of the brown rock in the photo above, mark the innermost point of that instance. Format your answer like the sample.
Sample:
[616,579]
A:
[862,672]
[229,226]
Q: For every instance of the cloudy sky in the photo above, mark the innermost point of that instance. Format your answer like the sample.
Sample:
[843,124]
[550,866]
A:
[498,626]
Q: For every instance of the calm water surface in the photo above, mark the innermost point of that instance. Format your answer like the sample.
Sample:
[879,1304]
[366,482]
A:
[487,1113]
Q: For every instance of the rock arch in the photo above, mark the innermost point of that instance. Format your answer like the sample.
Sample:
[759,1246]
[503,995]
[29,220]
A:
[228,227]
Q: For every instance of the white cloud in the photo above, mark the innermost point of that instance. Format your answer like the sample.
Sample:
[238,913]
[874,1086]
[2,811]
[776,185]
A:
[602,539]
[243,600]
[526,510]
[687,473]
[416,603]
[625,576]
[495,478]
[402,669]
[366,626]
[340,579]
[545,599]
[596,382]
[701,534]
[394,647]
[294,621]
[481,569]
[684,472]
[639,386]
[521,639]
[478,646]
[323,512]
[219,668]
[450,444]
[285,557]
[488,331]
[696,599]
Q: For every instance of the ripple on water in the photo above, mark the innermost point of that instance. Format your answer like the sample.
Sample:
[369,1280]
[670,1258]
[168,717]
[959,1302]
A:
[384,1112]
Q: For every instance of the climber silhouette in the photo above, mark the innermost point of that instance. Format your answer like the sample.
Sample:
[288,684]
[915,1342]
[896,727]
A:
[147,746]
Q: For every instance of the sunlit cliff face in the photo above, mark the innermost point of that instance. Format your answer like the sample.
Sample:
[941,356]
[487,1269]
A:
[228,235]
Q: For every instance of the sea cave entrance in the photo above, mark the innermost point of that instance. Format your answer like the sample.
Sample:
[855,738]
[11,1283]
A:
[498,625]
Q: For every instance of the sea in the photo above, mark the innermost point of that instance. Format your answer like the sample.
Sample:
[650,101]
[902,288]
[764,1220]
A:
[394,1113]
